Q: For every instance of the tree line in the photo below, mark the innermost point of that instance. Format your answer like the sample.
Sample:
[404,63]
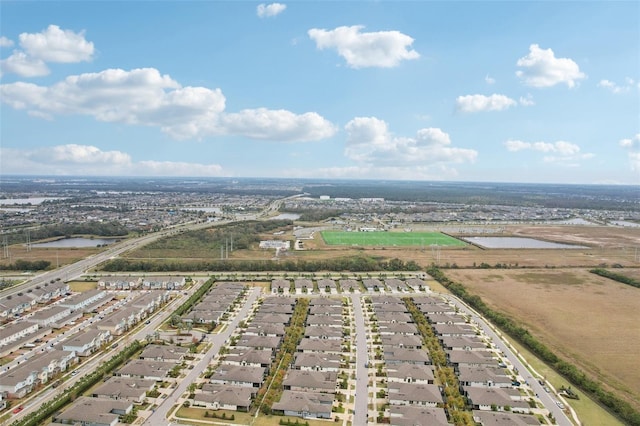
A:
[616,277]
[619,407]
[100,229]
[343,264]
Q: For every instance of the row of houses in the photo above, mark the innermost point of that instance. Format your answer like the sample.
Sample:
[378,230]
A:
[216,305]
[483,381]
[311,382]
[234,382]
[18,304]
[329,286]
[145,283]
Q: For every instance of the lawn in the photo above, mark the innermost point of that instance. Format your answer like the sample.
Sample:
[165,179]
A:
[389,239]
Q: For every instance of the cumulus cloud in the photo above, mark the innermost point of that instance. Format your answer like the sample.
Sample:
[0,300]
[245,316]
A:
[384,49]
[540,68]
[146,97]
[5,42]
[478,103]
[370,143]
[24,65]
[632,145]
[628,85]
[50,45]
[526,100]
[566,153]
[267,10]
[89,160]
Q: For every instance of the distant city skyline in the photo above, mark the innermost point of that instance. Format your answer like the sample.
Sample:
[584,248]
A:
[532,92]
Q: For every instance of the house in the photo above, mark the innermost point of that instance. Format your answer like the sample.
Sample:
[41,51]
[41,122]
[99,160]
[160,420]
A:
[303,285]
[19,381]
[86,342]
[372,284]
[274,318]
[410,373]
[392,317]
[410,341]
[119,321]
[165,353]
[82,301]
[445,330]
[335,309]
[316,345]
[119,283]
[349,285]
[327,285]
[501,418]
[483,377]
[414,394]
[402,355]
[238,375]
[471,358]
[313,405]
[138,368]
[397,328]
[259,342]
[467,343]
[439,318]
[94,412]
[251,357]
[269,329]
[310,381]
[134,390]
[416,284]
[163,283]
[15,331]
[16,304]
[325,320]
[407,415]
[317,361]
[54,316]
[323,332]
[280,286]
[495,399]
[224,397]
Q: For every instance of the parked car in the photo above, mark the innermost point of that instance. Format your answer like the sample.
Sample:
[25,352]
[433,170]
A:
[18,409]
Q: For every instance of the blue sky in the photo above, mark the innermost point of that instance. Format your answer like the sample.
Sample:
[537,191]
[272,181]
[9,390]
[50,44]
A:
[468,91]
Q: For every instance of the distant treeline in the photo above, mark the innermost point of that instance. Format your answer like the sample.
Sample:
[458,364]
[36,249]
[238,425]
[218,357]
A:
[619,407]
[350,264]
[485,193]
[26,265]
[616,277]
[100,229]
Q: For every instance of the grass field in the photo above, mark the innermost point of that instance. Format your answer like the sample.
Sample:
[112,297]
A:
[389,239]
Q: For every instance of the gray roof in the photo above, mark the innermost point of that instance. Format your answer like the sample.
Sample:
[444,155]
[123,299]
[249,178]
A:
[317,345]
[482,374]
[122,387]
[323,360]
[82,338]
[458,356]
[142,368]
[493,395]
[225,394]
[239,373]
[250,356]
[94,410]
[325,380]
[415,371]
[164,352]
[416,392]
[501,418]
[407,415]
[310,402]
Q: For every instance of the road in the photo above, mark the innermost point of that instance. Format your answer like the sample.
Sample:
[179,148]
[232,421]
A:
[547,398]
[362,359]
[159,416]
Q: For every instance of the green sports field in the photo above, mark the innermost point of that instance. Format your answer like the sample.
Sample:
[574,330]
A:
[389,239]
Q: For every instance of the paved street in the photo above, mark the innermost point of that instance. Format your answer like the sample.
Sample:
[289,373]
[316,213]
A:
[362,358]
[159,417]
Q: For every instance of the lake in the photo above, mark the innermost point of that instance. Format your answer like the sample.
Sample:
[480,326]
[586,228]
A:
[75,243]
[518,243]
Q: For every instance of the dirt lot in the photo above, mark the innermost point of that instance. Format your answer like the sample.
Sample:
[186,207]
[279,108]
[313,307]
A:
[590,319]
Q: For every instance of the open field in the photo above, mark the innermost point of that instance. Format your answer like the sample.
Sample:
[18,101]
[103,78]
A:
[388,239]
[585,318]
[61,256]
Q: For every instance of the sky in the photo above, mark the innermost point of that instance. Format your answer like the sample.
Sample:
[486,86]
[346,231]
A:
[486,91]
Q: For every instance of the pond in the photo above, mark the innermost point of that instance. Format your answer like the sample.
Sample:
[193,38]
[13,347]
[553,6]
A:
[75,243]
[22,201]
[518,243]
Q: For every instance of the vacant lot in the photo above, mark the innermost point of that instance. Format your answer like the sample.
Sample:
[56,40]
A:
[388,239]
[586,318]
[61,256]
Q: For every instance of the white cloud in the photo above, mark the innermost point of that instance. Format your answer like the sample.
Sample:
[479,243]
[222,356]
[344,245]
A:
[267,10]
[5,42]
[632,145]
[383,49]
[50,45]
[75,159]
[542,69]
[615,88]
[562,152]
[23,65]
[489,80]
[370,143]
[526,100]
[477,103]
[57,45]
[146,97]
[282,125]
